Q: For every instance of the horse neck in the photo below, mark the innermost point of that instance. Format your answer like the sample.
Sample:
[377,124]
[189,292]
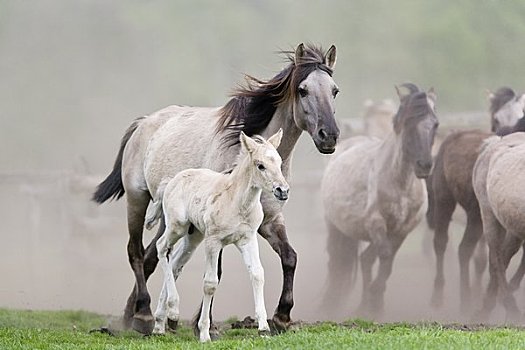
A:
[395,166]
[245,192]
[283,119]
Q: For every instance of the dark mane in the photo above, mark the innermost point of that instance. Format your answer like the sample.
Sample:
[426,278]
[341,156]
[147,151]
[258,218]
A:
[412,106]
[499,98]
[252,106]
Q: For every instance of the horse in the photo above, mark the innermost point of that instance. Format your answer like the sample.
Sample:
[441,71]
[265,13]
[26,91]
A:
[373,190]
[223,208]
[301,97]
[451,183]
[497,177]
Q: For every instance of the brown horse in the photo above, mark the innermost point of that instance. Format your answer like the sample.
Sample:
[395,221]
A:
[299,98]
[451,183]
[373,191]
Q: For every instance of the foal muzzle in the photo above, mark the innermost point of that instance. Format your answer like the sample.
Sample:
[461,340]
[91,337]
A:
[281,193]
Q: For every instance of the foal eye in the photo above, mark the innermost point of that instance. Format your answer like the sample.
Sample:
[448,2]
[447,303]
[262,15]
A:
[302,92]
[261,167]
[335,92]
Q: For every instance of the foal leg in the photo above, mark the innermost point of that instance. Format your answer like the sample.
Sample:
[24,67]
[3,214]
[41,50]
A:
[480,261]
[168,305]
[275,233]
[141,318]
[470,239]
[250,253]
[211,281]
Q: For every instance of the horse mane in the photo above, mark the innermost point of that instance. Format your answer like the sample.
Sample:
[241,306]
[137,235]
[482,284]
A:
[252,106]
[414,105]
[500,98]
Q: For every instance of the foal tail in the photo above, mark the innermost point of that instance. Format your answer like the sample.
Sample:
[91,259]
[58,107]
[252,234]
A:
[155,213]
[112,187]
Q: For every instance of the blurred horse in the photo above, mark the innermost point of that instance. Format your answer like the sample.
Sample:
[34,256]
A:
[498,177]
[451,183]
[299,98]
[373,191]
[221,209]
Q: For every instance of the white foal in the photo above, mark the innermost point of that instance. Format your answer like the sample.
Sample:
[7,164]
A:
[223,208]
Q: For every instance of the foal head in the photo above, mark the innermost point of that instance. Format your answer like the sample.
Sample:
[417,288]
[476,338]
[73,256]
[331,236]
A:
[506,108]
[265,163]
[416,122]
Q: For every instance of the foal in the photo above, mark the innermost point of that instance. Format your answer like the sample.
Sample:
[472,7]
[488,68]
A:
[221,208]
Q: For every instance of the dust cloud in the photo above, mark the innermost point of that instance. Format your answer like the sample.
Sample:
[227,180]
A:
[75,74]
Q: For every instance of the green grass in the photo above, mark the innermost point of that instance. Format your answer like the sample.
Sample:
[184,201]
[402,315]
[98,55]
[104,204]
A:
[70,330]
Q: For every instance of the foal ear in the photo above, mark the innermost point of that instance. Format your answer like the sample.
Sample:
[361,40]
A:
[331,57]
[247,143]
[275,140]
[299,53]
[490,95]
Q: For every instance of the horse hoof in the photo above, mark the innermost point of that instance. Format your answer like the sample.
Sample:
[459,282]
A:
[143,324]
[172,325]
[278,325]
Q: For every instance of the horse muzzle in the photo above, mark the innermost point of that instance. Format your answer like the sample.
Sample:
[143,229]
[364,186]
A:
[422,169]
[281,193]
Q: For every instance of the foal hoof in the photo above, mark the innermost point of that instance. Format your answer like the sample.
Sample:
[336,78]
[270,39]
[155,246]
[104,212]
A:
[214,332]
[265,333]
[143,324]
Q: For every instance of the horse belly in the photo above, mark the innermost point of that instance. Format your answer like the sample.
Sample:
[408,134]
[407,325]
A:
[183,142]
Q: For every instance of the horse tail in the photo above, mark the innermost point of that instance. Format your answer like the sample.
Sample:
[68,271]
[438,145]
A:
[430,206]
[112,187]
[343,262]
[155,212]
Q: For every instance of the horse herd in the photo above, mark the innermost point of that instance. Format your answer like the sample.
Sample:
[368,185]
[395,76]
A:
[218,176]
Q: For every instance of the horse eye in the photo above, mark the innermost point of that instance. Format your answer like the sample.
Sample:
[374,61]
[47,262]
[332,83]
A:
[261,167]
[302,92]
[335,92]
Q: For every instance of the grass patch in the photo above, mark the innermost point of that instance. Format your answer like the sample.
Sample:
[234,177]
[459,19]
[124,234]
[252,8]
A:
[70,330]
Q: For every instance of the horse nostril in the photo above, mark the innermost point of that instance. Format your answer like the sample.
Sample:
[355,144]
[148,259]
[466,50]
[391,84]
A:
[281,193]
[322,134]
[423,164]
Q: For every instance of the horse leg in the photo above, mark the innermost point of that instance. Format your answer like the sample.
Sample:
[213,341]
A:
[275,233]
[150,262]
[520,272]
[470,239]
[211,281]
[342,263]
[480,261]
[444,207]
[368,257]
[250,254]
[137,204]
[378,286]
[511,245]
[495,235]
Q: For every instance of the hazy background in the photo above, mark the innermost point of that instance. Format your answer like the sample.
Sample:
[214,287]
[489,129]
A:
[74,74]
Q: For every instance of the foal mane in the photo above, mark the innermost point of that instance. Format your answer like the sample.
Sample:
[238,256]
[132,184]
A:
[252,106]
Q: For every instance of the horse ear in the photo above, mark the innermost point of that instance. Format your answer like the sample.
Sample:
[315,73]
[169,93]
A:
[247,143]
[432,94]
[490,94]
[299,53]
[399,93]
[275,140]
[331,57]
